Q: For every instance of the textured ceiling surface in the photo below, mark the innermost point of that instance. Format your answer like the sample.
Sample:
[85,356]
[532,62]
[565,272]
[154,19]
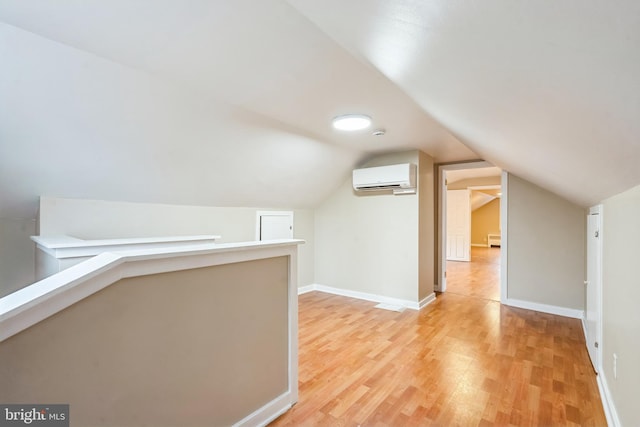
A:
[228,103]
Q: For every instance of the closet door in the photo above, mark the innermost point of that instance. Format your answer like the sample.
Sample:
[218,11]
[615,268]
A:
[458,225]
[274,225]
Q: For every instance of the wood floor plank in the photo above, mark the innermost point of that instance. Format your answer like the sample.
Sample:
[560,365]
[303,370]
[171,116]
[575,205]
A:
[478,278]
[460,361]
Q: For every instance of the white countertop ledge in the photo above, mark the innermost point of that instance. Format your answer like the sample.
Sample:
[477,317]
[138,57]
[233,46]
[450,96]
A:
[72,247]
[42,299]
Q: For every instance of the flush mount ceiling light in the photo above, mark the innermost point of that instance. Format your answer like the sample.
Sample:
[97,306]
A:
[352,122]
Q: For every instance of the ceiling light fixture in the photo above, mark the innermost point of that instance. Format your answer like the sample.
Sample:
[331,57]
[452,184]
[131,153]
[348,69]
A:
[351,122]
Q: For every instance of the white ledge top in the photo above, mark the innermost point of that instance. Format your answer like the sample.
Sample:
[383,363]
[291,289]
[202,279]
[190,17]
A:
[42,299]
[72,247]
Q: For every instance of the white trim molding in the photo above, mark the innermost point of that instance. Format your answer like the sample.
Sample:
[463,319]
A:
[441,196]
[268,413]
[30,305]
[545,308]
[504,239]
[609,407]
[413,305]
[306,289]
[427,300]
[36,302]
[595,284]
[70,247]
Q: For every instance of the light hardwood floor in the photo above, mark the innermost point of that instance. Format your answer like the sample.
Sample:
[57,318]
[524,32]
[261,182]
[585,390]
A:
[479,278]
[460,361]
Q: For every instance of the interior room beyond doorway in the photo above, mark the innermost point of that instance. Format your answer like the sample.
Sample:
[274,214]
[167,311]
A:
[473,232]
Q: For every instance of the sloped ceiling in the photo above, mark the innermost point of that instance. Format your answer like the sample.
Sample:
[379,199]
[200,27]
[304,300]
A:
[228,103]
[479,199]
[462,174]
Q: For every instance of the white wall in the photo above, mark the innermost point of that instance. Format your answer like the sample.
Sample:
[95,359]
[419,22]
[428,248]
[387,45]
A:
[99,219]
[73,124]
[370,242]
[621,300]
[17,254]
[545,247]
[77,125]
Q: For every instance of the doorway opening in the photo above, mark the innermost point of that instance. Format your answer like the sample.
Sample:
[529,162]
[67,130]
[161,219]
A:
[472,230]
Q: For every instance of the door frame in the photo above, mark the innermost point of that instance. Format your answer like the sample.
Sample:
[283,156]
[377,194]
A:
[597,364]
[441,226]
[504,237]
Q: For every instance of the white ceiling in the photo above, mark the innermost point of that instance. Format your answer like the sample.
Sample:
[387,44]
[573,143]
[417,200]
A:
[229,102]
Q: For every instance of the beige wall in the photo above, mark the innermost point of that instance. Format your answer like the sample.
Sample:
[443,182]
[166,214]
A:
[545,247]
[369,242]
[621,299]
[190,348]
[426,225]
[17,254]
[98,219]
[485,220]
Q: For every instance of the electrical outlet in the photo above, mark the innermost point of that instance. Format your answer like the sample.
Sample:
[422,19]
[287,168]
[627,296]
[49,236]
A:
[615,366]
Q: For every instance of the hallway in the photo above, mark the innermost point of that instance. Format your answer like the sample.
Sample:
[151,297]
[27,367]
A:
[479,278]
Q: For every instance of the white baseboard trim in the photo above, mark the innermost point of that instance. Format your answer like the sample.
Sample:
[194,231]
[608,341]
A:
[305,289]
[268,412]
[369,297]
[607,401]
[427,300]
[545,308]
[610,411]
[605,396]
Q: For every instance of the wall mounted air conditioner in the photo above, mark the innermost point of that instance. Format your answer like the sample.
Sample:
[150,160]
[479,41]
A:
[399,178]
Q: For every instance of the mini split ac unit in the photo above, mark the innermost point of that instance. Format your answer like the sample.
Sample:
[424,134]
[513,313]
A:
[399,178]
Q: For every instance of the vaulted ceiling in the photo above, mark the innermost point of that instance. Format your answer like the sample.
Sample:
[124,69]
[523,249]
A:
[229,102]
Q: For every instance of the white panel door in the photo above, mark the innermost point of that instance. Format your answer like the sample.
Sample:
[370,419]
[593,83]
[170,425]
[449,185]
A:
[594,287]
[458,225]
[275,225]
